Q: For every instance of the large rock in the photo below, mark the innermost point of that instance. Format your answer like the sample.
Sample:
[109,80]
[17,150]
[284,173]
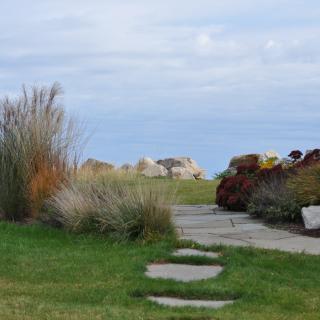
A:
[183,162]
[181,173]
[155,170]
[311,217]
[97,165]
[270,155]
[144,163]
[254,158]
[127,167]
[245,159]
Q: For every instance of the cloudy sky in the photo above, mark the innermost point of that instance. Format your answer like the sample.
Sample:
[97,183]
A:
[207,79]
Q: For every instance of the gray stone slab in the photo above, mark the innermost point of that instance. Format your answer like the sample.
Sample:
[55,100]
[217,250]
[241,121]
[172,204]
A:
[267,234]
[208,224]
[194,252]
[296,244]
[211,217]
[175,302]
[246,220]
[195,207]
[238,229]
[182,272]
[209,229]
[193,213]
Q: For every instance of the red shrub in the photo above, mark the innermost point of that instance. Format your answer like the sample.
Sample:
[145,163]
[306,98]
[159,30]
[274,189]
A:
[248,169]
[267,174]
[233,192]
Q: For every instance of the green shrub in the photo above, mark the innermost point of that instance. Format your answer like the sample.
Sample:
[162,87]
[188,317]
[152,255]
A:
[226,173]
[37,151]
[119,204]
[305,185]
[272,200]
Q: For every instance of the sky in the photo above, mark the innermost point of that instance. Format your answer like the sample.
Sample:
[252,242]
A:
[208,79]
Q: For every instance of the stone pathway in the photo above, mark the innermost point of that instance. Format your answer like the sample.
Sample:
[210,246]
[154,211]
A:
[186,273]
[208,225]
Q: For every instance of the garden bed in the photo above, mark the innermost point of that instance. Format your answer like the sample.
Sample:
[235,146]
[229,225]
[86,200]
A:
[295,227]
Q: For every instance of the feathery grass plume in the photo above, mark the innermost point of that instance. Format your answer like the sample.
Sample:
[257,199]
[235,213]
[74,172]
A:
[305,185]
[38,150]
[123,205]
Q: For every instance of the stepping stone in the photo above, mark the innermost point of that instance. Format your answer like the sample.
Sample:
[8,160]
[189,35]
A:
[194,252]
[182,272]
[175,302]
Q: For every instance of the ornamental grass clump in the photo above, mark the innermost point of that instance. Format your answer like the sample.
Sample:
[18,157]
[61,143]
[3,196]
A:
[272,200]
[305,185]
[122,205]
[38,145]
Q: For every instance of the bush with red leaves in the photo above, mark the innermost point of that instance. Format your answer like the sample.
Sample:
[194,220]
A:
[233,192]
[267,174]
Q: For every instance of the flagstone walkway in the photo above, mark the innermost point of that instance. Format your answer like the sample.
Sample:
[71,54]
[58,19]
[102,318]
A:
[208,225]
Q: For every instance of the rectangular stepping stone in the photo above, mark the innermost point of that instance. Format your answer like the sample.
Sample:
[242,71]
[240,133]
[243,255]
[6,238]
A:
[175,302]
[182,272]
[194,252]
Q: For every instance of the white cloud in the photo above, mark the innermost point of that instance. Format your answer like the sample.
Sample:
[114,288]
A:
[169,58]
[270,44]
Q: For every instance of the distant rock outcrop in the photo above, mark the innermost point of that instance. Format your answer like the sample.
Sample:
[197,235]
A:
[187,163]
[97,165]
[176,168]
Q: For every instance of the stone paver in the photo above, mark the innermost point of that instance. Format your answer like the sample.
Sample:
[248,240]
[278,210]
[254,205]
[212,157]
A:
[237,228]
[175,302]
[182,272]
[194,252]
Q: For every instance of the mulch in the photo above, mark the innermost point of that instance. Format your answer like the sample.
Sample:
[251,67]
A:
[295,227]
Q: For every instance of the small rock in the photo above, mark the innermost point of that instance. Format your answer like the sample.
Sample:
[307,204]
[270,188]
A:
[311,217]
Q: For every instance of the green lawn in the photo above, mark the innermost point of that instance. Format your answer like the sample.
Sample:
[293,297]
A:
[50,274]
[193,191]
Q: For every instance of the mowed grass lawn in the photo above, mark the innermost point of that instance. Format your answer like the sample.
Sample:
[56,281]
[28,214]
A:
[50,274]
[193,191]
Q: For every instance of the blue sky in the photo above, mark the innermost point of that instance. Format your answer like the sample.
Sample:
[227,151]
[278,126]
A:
[207,79]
